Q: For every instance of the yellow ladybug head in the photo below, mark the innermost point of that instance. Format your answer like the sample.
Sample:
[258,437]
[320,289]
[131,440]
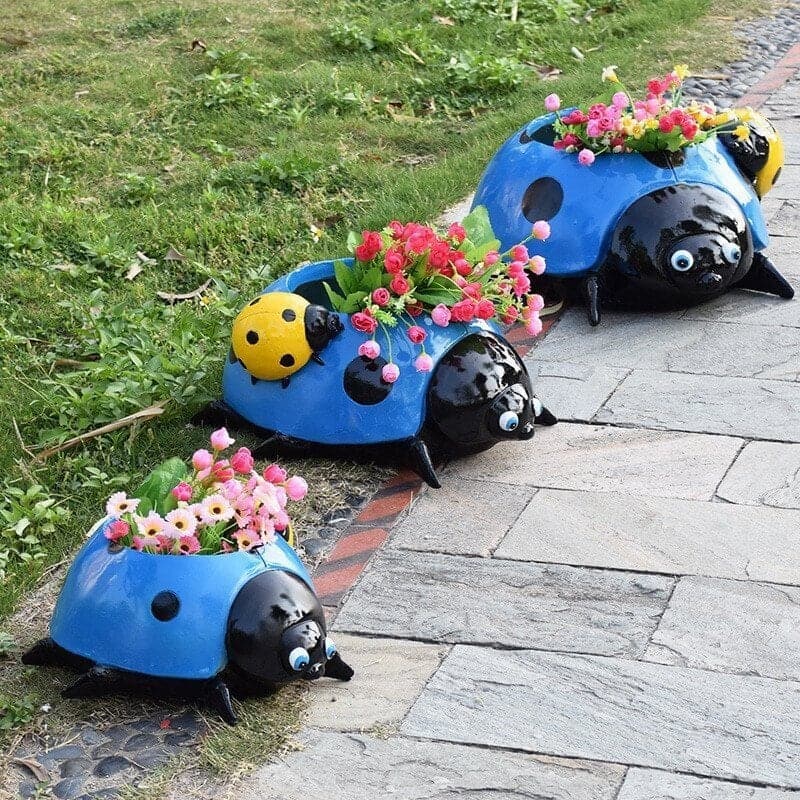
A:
[277,334]
[756,148]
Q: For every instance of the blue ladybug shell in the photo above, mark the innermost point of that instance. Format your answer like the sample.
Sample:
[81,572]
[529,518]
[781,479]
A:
[105,609]
[315,407]
[593,198]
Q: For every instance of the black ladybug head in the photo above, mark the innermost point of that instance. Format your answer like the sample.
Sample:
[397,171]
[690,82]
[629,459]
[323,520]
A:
[479,394]
[681,245]
[321,326]
[276,630]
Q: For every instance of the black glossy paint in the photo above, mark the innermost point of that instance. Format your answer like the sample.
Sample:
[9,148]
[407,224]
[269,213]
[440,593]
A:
[542,199]
[698,219]
[750,153]
[321,326]
[363,383]
[474,383]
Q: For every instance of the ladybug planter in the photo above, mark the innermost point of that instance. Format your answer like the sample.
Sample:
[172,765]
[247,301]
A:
[655,230]
[187,625]
[474,393]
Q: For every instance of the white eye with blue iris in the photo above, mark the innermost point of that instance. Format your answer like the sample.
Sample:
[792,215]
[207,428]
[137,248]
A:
[330,648]
[682,260]
[732,252]
[298,659]
[508,421]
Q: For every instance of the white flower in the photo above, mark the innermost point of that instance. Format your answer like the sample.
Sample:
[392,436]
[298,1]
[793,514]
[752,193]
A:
[151,525]
[119,503]
[216,508]
[610,74]
[183,520]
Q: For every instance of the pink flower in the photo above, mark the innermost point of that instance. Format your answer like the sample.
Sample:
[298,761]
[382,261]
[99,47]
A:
[652,106]
[117,530]
[119,503]
[395,228]
[182,492]
[441,315]
[247,540]
[202,459]
[274,473]
[522,284]
[296,488]
[485,309]
[394,261]
[457,232]
[586,157]
[620,100]
[369,349]
[400,284]
[533,327]
[364,322]
[519,253]
[390,373]
[541,230]
[220,439]
[242,461]
[472,290]
[510,315]
[593,128]
[464,310]
[416,334]
[423,363]
[187,545]
[462,266]
[537,265]
[492,257]
[517,268]
[371,244]
[381,296]
[536,302]
[222,471]
[552,102]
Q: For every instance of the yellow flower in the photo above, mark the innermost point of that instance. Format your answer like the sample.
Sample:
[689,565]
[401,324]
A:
[745,114]
[637,131]
[650,124]
[610,74]
[681,70]
[741,132]
[722,118]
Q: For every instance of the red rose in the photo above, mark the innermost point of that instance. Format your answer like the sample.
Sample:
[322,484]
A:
[457,232]
[394,261]
[364,322]
[485,309]
[472,290]
[420,240]
[396,229]
[399,284]
[510,315]
[416,334]
[381,296]
[414,309]
[666,125]
[464,310]
[439,255]
[690,129]
[371,244]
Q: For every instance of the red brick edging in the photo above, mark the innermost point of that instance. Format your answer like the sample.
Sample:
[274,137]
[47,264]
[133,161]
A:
[781,73]
[370,529]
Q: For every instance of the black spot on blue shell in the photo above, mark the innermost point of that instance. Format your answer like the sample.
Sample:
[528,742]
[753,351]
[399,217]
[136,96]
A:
[665,159]
[546,135]
[165,606]
[252,337]
[288,315]
[363,382]
[542,199]
[287,360]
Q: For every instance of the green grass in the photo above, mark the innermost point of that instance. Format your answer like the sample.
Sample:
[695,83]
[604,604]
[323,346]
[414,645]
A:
[117,138]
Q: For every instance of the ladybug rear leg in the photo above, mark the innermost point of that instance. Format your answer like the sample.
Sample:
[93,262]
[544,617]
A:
[98,681]
[591,295]
[218,697]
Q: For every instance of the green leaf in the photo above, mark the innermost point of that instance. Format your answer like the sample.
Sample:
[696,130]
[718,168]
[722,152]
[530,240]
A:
[344,277]
[373,278]
[155,491]
[353,240]
[337,301]
[433,298]
[478,227]
[353,302]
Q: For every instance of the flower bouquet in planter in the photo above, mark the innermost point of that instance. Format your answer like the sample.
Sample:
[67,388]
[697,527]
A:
[668,216]
[395,353]
[140,610]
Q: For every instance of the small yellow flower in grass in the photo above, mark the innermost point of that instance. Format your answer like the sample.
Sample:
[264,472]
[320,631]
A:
[741,132]
[610,74]
[316,233]
[681,70]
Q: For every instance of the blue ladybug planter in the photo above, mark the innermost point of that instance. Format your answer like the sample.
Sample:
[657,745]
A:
[655,230]
[187,625]
[477,394]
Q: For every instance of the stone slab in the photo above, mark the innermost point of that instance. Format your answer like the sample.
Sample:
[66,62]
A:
[788,183]
[752,308]
[670,343]
[481,601]
[731,626]
[573,391]
[765,473]
[615,710]
[648,784]
[466,517]
[757,409]
[354,767]
[618,531]
[602,458]
[786,222]
[390,675]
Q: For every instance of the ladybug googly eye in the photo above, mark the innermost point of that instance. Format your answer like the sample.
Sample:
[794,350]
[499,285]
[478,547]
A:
[330,648]
[508,421]
[682,260]
[732,252]
[299,659]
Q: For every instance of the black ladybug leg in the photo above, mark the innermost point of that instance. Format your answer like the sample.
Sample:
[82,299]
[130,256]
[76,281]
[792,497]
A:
[422,463]
[336,668]
[46,653]
[315,357]
[545,417]
[763,277]
[590,290]
[219,698]
[98,681]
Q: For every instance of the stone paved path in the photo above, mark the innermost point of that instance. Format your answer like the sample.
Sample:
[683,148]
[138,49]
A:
[613,612]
